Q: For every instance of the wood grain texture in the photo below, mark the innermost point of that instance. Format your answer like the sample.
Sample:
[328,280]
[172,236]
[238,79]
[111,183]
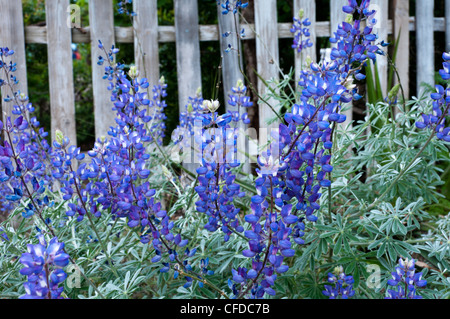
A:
[447,25]
[101,17]
[425,43]
[337,16]
[60,70]
[267,57]
[166,34]
[188,59]
[146,48]
[12,36]
[230,60]
[309,8]
[231,74]
[401,29]
[188,49]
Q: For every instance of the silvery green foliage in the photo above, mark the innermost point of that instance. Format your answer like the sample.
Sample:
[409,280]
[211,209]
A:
[383,148]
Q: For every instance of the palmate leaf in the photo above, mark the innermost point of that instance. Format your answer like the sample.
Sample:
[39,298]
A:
[338,246]
[322,247]
[301,263]
[392,251]
[310,286]
[381,251]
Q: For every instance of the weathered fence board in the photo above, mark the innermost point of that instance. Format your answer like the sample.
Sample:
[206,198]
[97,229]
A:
[146,48]
[188,49]
[447,25]
[230,59]
[101,19]
[60,70]
[12,36]
[267,56]
[425,43]
[401,29]
[188,59]
[309,9]
[336,14]
[231,72]
[166,34]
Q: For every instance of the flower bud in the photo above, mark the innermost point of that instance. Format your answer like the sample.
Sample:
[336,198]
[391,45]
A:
[338,270]
[301,13]
[349,18]
[349,85]
[394,92]
[214,106]
[308,60]
[206,104]
[240,84]
[166,172]
[133,73]
[59,137]
[23,97]
[199,91]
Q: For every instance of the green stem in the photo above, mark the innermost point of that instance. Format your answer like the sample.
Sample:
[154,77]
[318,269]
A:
[330,204]
[365,292]
[92,223]
[398,80]
[409,241]
[250,85]
[112,228]
[87,279]
[206,282]
[108,257]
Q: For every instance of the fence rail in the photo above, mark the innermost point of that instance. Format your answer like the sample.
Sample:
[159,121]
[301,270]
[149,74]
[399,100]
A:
[207,32]
[187,34]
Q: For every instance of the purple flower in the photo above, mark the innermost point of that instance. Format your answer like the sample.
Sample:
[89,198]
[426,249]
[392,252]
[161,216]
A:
[301,33]
[343,285]
[406,280]
[43,265]
[231,6]
[123,8]
[441,106]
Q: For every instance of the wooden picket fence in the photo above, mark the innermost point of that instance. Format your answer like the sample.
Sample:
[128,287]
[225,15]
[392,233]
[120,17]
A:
[187,34]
